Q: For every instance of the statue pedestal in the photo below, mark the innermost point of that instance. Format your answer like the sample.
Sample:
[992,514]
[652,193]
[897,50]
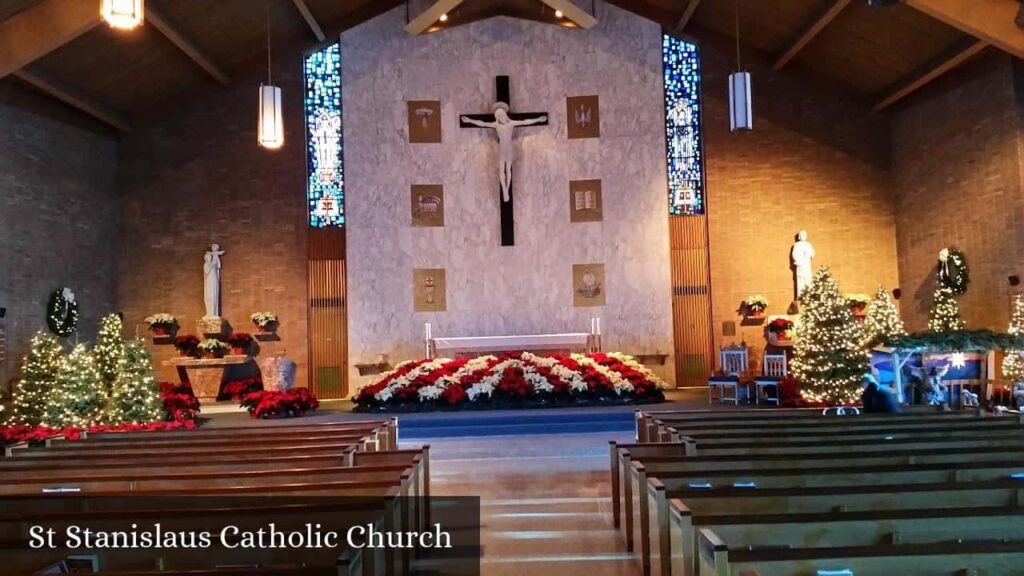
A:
[211,326]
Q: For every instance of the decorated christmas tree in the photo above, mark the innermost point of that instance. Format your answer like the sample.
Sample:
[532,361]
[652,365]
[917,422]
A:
[945,313]
[135,397]
[109,350]
[1013,366]
[77,396]
[829,360]
[882,320]
[38,376]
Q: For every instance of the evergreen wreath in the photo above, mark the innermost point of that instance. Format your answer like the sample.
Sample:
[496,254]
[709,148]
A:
[62,314]
[955,265]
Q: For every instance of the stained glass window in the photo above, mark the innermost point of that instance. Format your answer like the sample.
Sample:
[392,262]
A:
[685,154]
[325,174]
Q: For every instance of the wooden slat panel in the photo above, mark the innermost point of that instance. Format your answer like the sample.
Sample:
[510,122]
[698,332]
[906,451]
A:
[328,313]
[691,299]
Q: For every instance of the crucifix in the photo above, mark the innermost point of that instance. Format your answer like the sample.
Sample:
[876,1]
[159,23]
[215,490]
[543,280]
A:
[504,122]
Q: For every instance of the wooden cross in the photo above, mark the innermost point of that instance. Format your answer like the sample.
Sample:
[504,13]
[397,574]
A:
[502,94]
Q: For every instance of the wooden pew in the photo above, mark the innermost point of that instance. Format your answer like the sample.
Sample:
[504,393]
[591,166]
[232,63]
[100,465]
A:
[833,529]
[953,557]
[652,525]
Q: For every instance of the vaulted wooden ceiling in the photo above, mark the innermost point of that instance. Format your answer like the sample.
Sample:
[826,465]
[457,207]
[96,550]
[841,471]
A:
[124,77]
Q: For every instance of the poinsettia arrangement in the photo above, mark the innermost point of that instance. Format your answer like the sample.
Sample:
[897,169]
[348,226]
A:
[756,303]
[512,380]
[236,389]
[187,345]
[162,322]
[780,326]
[180,403]
[211,347]
[857,300]
[240,341]
[264,320]
[19,433]
[280,403]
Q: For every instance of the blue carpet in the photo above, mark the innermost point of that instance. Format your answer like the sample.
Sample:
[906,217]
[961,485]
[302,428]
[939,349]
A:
[511,422]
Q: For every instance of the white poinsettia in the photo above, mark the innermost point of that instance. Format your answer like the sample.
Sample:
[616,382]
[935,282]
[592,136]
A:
[430,392]
[619,383]
[406,379]
[571,377]
[646,372]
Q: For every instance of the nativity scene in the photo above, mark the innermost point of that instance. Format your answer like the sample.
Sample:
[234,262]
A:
[292,287]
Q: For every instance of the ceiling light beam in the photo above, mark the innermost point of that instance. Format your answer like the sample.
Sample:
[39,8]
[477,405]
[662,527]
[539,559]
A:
[185,45]
[990,20]
[431,16]
[310,19]
[37,31]
[74,98]
[944,64]
[573,12]
[812,30]
[691,7]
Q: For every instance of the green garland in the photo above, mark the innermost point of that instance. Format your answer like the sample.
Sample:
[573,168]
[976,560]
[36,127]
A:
[62,315]
[959,275]
[958,341]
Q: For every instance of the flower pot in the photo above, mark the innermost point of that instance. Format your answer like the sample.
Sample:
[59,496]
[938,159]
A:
[857,310]
[213,355]
[238,351]
[186,353]
[751,313]
[160,331]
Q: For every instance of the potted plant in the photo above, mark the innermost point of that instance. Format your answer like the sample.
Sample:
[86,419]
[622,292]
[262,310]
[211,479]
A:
[858,303]
[213,348]
[755,306]
[162,324]
[187,345]
[780,331]
[239,342]
[265,322]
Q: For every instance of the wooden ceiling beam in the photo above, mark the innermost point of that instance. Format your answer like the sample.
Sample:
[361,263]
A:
[430,16]
[945,63]
[990,20]
[184,44]
[73,98]
[34,33]
[691,7]
[310,19]
[813,29]
[581,17]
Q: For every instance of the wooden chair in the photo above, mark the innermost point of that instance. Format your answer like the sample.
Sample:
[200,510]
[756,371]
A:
[733,365]
[773,370]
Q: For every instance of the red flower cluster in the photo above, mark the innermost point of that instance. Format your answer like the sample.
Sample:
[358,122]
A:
[239,340]
[779,326]
[236,389]
[19,433]
[180,404]
[280,404]
[187,345]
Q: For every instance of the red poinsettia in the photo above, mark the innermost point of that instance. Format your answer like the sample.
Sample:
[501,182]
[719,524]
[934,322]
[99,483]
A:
[779,326]
[235,389]
[280,403]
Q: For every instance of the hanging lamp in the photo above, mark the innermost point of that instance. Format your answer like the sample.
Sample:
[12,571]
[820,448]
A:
[123,14]
[741,114]
[271,123]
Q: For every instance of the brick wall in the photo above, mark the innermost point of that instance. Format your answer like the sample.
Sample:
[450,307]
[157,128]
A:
[816,160]
[197,176]
[58,222]
[957,172]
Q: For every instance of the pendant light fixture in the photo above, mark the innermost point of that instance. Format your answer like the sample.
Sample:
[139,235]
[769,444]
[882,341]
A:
[271,123]
[741,114]
[123,14]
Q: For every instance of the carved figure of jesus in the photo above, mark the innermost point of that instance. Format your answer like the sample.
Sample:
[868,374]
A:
[211,281]
[504,127]
[800,256]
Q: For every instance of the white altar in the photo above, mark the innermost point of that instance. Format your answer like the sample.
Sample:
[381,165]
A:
[451,347]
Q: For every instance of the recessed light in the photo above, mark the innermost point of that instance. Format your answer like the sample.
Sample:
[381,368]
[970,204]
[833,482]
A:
[443,18]
[558,14]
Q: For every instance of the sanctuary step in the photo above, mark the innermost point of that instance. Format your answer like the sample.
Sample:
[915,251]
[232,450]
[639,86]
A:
[511,422]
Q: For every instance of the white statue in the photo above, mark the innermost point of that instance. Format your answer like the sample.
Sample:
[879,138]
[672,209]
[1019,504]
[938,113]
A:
[504,127]
[800,256]
[211,282]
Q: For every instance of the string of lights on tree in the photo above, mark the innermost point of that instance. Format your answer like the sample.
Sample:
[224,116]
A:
[62,313]
[38,378]
[829,360]
[1013,366]
[76,398]
[944,315]
[882,321]
[135,396]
